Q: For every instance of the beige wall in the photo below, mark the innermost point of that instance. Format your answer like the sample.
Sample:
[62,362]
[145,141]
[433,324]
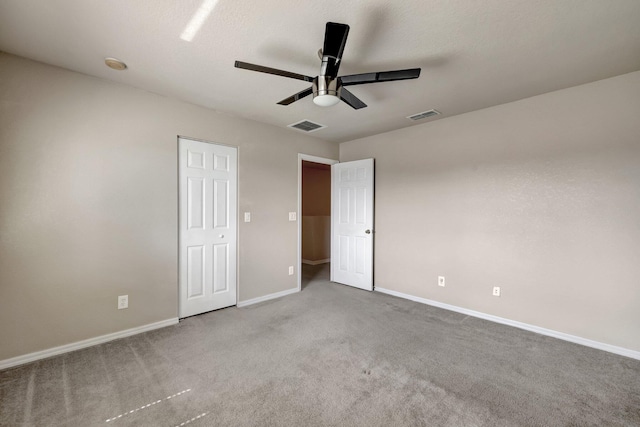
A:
[316,189]
[88,203]
[540,197]
[316,239]
[316,211]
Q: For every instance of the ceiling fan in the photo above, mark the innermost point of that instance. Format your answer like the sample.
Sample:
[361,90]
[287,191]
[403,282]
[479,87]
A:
[327,88]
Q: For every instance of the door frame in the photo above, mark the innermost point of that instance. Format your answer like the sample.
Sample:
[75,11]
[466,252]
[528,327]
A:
[314,159]
[237,254]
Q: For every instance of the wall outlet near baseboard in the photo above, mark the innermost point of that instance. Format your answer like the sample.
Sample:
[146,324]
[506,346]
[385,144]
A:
[291,270]
[123,302]
[496,291]
[441,281]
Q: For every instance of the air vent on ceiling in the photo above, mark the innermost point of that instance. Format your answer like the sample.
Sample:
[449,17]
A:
[306,126]
[424,115]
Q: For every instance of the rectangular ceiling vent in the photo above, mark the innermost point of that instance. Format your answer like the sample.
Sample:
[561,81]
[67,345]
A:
[424,115]
[306,126]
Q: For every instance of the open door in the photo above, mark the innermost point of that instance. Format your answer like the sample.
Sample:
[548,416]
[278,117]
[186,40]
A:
[352,223]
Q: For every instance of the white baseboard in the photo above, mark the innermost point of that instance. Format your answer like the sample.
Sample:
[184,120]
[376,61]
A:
[320,261]
[31,357]
[532,328]
[267,297]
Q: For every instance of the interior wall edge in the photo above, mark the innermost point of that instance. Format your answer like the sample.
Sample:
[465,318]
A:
[78,345]
[520,325]
[317,262]
[267,297]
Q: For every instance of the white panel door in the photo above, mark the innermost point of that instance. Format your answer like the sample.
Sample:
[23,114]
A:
[352,223]
[208,197]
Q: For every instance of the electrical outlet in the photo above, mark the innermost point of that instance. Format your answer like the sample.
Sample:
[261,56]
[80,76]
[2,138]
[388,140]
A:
[441,281]
[123,302]
[291,270]
[496,291]
[247,217]
[292,216]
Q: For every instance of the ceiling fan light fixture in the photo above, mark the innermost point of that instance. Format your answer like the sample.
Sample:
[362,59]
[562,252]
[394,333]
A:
[325,100]
[326,91]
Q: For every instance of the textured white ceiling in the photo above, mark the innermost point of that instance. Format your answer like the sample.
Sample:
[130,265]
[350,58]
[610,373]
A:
[473,54]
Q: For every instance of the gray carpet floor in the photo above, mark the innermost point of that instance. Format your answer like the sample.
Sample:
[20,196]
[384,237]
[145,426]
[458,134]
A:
[330,355]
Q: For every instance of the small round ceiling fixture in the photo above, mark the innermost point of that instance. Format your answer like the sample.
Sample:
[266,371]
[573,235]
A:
[116,64]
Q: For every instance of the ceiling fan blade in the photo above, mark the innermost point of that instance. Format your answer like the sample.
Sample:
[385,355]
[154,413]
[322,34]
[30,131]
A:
[261,69]
[335,38]
[351,99]
[383,76]
[297,96]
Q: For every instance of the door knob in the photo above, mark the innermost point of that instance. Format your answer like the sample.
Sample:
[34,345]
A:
[222,236]
[368,231]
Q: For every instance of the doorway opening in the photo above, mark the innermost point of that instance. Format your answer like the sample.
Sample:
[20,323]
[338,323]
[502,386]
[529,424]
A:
[314,212]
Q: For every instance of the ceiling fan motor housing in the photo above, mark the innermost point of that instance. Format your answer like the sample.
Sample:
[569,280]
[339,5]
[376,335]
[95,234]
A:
[326,85]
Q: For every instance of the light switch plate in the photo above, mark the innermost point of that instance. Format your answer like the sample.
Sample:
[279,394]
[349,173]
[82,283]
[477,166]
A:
[292,216]
[247,217]
[123,302]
